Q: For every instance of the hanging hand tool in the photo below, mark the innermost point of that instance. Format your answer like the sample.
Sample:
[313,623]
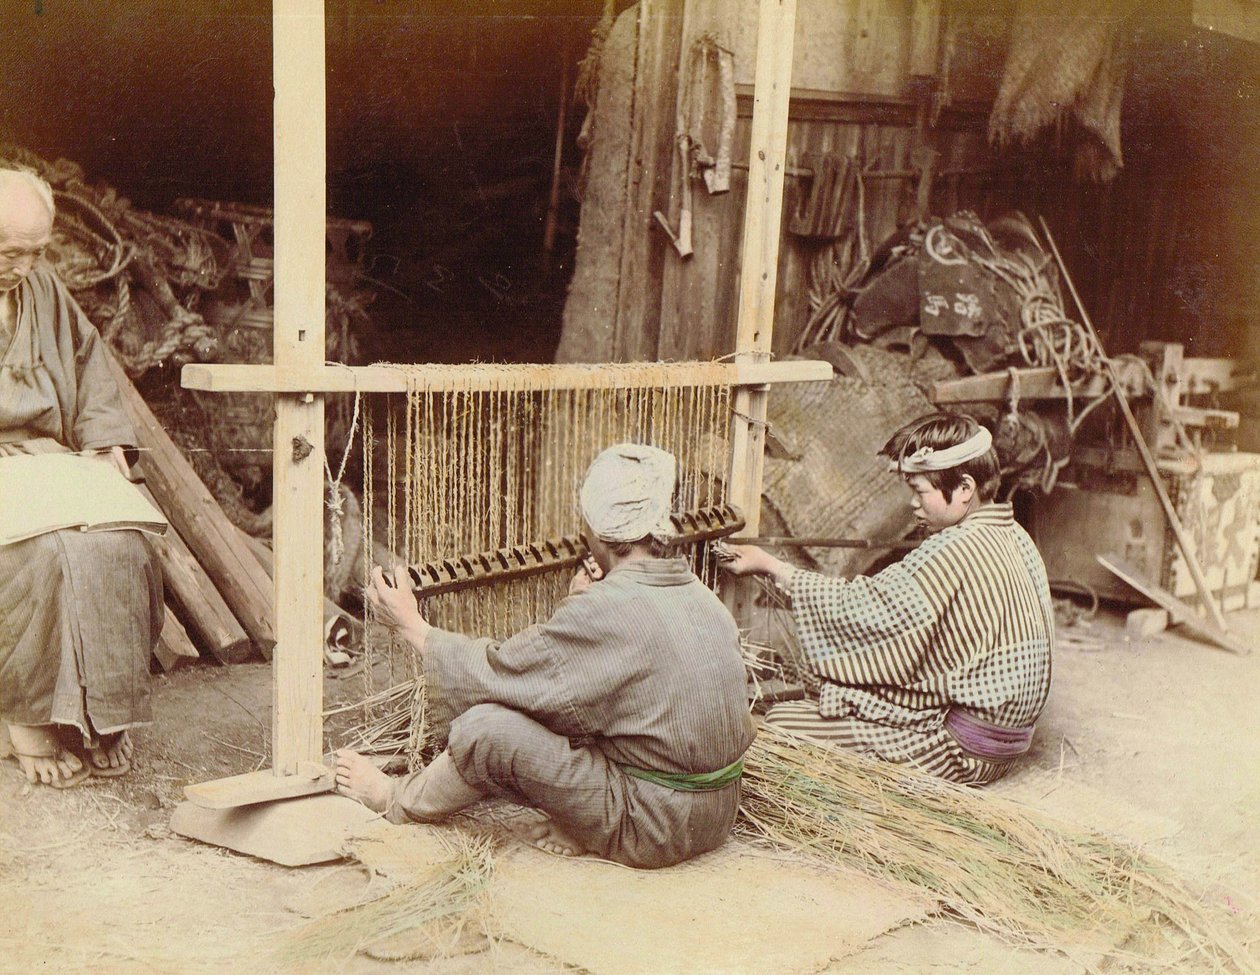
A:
[682,239]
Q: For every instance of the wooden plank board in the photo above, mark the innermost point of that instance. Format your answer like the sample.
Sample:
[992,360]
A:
[645,247]
[301,831]
[174,649]
[240,378]
[1041,382]
[262,786]
[1179,613]
[759,265]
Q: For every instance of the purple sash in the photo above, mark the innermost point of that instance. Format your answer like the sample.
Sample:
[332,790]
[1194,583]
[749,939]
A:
[982,739]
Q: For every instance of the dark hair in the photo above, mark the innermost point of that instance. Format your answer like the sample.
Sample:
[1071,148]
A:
[657,548]
[938,431]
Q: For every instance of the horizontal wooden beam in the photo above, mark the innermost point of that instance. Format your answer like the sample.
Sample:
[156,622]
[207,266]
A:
[1200,375]
[855,108]
[1041,382]
[1194,416]
[239,378]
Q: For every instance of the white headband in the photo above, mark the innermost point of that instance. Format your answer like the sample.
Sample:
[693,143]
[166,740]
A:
[627,493]
[930,459]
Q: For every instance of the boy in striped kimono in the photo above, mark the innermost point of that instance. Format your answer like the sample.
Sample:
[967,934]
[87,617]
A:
[623,718]
[942,660]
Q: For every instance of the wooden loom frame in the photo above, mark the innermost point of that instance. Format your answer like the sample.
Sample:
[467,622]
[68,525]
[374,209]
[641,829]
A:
[299,377]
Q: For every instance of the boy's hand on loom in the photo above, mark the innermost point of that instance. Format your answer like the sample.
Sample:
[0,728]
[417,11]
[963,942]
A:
[394,605]
[587,575]
[742,560]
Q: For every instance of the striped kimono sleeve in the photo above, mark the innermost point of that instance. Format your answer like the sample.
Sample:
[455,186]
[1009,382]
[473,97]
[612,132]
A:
[866,631]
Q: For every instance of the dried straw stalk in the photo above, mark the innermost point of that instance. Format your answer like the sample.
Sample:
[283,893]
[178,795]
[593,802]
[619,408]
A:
[448,889]
[990,861]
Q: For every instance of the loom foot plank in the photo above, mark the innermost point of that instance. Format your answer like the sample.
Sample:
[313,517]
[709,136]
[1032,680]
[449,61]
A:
[293,833]
[262,786]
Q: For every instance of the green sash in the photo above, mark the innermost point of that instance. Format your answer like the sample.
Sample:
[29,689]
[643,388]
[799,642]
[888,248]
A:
[690,781]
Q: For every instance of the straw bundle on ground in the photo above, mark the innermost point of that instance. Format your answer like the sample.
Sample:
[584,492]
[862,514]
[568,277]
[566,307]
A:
[990,861]
[448,889]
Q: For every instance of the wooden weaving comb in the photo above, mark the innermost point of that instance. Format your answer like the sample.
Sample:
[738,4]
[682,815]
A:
[519,561]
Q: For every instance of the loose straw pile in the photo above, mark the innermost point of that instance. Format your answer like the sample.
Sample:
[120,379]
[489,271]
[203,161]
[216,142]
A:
[989,861]
[449,889]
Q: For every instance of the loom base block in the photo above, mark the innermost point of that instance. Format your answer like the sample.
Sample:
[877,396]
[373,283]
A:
[292,833]
[262,786]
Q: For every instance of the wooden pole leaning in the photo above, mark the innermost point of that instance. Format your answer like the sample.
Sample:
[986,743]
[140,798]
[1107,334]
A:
[1144,451]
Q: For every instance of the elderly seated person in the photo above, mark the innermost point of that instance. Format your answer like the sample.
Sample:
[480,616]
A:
[79,611]
[623,717]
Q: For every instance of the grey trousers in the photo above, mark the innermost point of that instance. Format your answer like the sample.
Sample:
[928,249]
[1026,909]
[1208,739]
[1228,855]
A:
[502,752]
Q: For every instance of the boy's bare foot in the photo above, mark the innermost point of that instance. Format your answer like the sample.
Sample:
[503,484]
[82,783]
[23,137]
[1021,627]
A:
[550,838]
[42,758]
[359,779]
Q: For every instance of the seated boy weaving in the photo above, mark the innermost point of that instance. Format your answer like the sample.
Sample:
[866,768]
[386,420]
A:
[623,717]
[942,660]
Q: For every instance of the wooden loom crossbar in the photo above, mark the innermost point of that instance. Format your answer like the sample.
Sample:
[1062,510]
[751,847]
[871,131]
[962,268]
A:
[397,378]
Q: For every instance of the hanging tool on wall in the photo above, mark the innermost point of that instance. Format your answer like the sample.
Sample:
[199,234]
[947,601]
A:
[710,75]
[682,239]
[705,53]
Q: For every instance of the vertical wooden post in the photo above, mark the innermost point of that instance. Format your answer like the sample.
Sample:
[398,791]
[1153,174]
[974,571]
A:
[759,266]
[925,32]
[299,145]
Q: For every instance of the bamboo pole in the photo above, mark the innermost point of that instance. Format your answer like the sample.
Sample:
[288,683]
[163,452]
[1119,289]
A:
[557,162]
[1144,451]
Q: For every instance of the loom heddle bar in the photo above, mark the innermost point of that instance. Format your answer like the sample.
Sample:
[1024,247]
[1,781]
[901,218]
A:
[445,575]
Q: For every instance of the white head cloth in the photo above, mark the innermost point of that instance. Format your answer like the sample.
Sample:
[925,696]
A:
[930,459]
[627,493]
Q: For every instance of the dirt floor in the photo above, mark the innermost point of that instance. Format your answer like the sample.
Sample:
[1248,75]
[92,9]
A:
[1156,739]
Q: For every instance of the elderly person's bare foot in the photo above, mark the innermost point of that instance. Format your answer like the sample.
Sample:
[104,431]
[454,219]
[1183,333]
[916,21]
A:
[550,838]
[42,758]
[111,755]
[359,779]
